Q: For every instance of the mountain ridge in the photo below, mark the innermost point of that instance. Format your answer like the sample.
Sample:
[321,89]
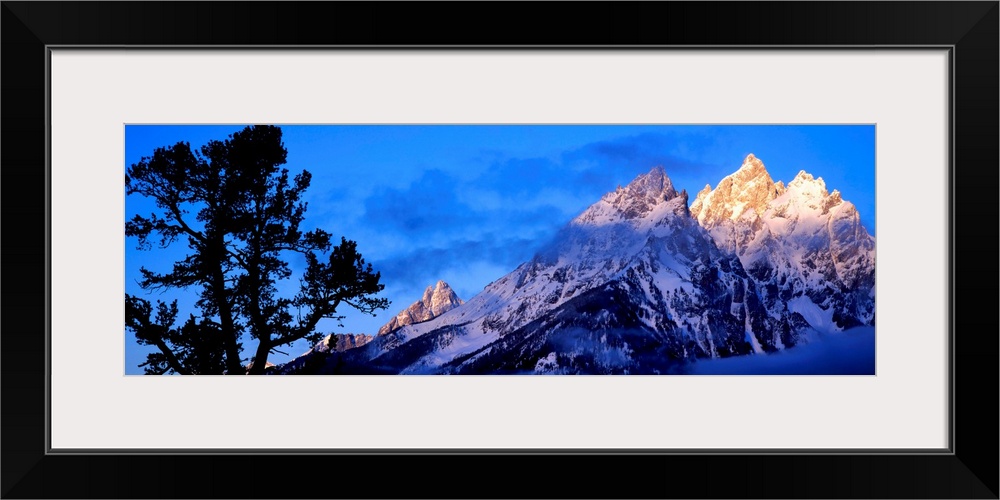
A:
[799,239]
[437,299]
[641,282]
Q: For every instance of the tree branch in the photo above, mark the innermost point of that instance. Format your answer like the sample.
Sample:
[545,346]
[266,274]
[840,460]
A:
[176,211]
[310,324]
[171,358]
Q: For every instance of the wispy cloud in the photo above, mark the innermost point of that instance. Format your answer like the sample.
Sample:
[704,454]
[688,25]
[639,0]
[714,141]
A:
[638,153]
[425,265]
[427,207]
[508,211]
[851,352]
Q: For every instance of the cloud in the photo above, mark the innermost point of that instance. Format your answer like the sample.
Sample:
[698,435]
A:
[637,153]
[579,177]
[423,266]
[439,208]
[501,215]
[427,206]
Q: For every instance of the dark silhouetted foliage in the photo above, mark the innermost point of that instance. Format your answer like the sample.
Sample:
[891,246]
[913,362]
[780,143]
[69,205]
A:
[240,216]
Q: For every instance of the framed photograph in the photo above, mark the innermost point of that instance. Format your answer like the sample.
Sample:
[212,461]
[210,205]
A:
[730,248]
[562,273]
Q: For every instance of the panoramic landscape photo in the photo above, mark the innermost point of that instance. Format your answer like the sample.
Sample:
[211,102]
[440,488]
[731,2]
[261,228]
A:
[499,249]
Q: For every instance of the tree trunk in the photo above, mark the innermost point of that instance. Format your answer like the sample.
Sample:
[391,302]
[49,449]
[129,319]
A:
[233,364]
[260,359]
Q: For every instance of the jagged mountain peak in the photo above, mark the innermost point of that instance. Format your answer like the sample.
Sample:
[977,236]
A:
[439,292]
[634,284]
[804,176]
[792,238]
[437,299]
[752,167]
[806,184]
[652,184]
[748,189]
[643,198]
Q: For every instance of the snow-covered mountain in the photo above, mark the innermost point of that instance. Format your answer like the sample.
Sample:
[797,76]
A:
[640,282]
[437,300]
[804,246]
[311,360]
[632,284]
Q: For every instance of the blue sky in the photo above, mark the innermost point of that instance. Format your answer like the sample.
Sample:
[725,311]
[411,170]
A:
[468,203]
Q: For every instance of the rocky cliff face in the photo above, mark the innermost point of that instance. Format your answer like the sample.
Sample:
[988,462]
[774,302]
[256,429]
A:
[748,190]
[437,300]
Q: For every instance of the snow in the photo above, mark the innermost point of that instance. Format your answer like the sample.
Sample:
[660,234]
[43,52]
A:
[749,332]
[470,339]
[817,317]
[600,245]
[799,235]
[547,364]
[644,237]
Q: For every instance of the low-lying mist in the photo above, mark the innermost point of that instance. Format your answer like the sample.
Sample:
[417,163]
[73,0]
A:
[851,352]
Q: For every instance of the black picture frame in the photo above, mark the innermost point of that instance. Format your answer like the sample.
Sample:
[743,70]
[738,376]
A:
[970,29]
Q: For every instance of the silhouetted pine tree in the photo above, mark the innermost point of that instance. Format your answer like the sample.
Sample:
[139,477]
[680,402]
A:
[240,216]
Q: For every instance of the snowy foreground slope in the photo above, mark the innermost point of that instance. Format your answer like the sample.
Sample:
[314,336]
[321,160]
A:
[640,283]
